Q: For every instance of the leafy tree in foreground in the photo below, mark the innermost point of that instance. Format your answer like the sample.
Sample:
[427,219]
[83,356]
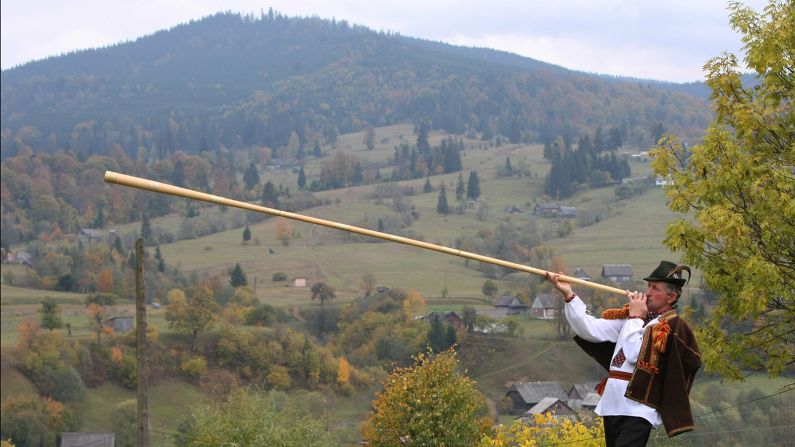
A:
[737,190]
[428,403]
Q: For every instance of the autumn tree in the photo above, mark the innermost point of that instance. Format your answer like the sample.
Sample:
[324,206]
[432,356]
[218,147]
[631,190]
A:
[323,292]
[737,193]
[489,289]
[368,283]
[194,312]
[50,315]
[284,231]
[96,319]
[428,403]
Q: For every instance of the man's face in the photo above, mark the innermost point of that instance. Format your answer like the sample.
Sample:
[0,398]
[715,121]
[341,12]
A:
[658,297]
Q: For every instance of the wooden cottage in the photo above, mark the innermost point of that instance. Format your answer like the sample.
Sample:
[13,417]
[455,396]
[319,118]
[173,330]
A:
[545,306]
[509,305]
[526,395]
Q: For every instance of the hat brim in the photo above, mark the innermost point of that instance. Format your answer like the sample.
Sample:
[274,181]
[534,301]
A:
[679,282]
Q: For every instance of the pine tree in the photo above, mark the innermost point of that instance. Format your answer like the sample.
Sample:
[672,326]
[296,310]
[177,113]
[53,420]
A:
[316,150]
[50,315]
[251,177]
[146,228]
[427,188]
[269,195]
[436,338]
[508,167]
[473,187]
[246,234]
[301,178]
[441,205]
[99,221]
[460,189]
[237,278]
[118,246]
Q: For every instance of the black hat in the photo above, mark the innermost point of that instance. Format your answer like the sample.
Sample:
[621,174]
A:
[669,272]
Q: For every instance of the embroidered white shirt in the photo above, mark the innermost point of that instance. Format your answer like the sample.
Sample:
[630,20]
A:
[627,334]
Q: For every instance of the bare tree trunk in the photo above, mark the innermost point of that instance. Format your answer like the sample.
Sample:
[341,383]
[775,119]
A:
[140,343]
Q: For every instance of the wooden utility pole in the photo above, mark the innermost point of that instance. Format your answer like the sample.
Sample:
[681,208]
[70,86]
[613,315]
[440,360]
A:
[140,343]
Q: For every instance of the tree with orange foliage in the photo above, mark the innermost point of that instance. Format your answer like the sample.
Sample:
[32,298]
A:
[284,231]
[105,281]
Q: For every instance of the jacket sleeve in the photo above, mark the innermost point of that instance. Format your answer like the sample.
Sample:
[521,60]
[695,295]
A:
[589,328]
[684,361]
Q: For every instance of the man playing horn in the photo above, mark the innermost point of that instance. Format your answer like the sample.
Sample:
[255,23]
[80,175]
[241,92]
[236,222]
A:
[649,352]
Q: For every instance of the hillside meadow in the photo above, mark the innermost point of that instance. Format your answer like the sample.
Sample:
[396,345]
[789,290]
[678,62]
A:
[631,231]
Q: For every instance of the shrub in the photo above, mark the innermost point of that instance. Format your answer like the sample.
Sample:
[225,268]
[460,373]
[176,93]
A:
[194,367]
[279,276]
[102,299]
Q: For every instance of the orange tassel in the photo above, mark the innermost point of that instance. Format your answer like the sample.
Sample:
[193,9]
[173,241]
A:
[660,336]
[616,314]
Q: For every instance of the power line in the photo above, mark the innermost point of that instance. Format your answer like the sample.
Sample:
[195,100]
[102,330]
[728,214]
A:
[791,388]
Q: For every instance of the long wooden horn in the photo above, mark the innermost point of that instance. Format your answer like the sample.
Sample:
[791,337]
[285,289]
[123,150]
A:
[150,185]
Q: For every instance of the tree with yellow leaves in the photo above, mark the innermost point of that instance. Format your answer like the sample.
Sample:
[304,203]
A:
[736,192]
[428,403]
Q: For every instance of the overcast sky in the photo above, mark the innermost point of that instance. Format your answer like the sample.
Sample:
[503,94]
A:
[665,39]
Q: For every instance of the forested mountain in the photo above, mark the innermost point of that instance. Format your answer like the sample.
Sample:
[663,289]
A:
[230,81]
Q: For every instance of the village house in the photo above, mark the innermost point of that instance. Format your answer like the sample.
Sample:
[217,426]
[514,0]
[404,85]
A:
[89,235]
[579,273]
[299,281]
[580,390]
[551,209]
[546,209]
[509,305]
[590,401]
[617,272]
[545,306]
[82,439]
[553,405]
[525,396]
[120,324]
[447,316]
